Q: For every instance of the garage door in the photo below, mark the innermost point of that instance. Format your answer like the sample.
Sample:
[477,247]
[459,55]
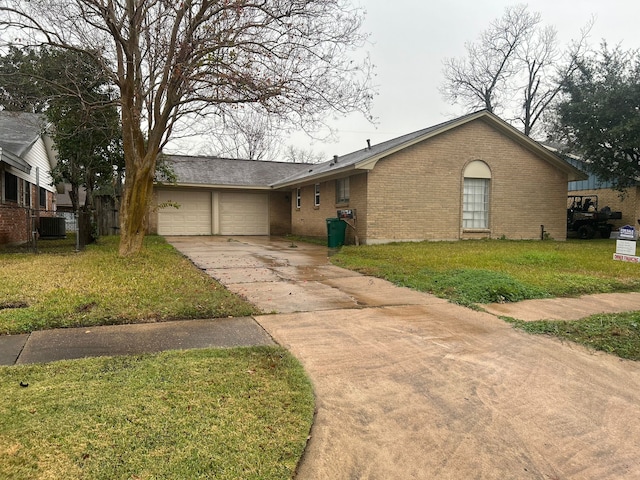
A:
[244,213]
[192,218]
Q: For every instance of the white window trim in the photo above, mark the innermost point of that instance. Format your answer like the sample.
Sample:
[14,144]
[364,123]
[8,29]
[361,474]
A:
[476,197]
[298,198]
[475,210]
[316,195]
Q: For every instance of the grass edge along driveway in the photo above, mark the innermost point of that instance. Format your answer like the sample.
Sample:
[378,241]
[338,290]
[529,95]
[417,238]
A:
[477,272]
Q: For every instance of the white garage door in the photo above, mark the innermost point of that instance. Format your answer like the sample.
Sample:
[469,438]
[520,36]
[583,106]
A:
[192,218]
[244,213]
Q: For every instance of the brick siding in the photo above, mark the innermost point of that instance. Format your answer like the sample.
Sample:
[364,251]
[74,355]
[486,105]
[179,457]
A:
[416,193]
[14,225]
[310,220]
[15,220]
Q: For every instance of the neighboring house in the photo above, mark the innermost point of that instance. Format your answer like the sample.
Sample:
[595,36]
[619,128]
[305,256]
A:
[26,159]
[627,202]
[64,205]
[471,177]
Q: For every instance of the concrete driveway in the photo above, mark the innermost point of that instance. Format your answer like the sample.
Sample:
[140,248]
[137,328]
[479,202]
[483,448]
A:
[410,386]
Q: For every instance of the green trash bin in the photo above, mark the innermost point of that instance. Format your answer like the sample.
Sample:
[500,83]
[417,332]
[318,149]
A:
[335,232]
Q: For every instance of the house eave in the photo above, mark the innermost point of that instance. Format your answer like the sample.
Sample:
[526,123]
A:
[212,186]
[314,178]
[14,161]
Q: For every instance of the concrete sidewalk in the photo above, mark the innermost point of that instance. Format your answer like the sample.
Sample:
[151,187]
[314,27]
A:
[69,343]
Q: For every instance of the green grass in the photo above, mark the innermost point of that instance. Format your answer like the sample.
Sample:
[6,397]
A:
[472,272]
[58,287]
[199,414]
[618,334]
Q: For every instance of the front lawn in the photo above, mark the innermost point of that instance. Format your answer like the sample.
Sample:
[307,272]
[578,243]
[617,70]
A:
[60,288]
[486,271]
[213,413]
[241,413]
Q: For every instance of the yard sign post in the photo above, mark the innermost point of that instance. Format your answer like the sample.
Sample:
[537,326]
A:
[626,245]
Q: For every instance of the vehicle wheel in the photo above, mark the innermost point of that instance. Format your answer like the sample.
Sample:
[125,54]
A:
[605,231]
[585,232]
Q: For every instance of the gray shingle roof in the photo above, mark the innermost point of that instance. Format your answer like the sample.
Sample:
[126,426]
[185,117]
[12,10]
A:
[366,158]
[18,133]
[215,171]
[258,174]
[352,159]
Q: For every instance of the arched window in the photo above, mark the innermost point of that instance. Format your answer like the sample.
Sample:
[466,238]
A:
[475,202]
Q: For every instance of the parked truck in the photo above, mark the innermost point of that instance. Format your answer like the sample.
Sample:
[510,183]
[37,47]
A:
[584,219]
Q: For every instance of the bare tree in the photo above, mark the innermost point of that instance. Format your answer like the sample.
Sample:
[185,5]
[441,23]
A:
[479,80]
[302,155]
[197,57]
[544,71]
[246,133]
[515,69]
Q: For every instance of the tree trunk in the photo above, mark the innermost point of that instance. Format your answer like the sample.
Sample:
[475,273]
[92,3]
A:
[138,188]
[140,156]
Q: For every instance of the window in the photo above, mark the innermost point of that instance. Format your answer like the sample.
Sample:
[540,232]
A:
[316,196]
[342,190]
[298,198]
[27,194]
[475,202]
[43,197]
[10,187]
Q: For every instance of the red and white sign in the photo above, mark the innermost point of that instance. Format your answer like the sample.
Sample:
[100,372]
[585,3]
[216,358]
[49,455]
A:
[626,258]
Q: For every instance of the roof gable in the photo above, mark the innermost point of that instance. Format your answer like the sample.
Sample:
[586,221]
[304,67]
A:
[367,158]
[18,133]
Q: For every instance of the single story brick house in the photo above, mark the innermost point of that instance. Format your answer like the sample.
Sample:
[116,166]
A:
[472,177]
[26,159]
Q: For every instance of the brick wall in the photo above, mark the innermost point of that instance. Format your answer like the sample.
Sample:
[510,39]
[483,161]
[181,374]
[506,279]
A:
[15,220]
[310,220]
[13,224]
[416,194]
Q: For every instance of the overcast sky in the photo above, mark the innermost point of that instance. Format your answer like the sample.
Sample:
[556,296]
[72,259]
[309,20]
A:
[410,39]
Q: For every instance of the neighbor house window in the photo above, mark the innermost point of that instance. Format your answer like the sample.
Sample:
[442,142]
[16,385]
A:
[10,187]
[43,197]
[298,198]
[316,196]
[27,194]
[475,202]
[342,190]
